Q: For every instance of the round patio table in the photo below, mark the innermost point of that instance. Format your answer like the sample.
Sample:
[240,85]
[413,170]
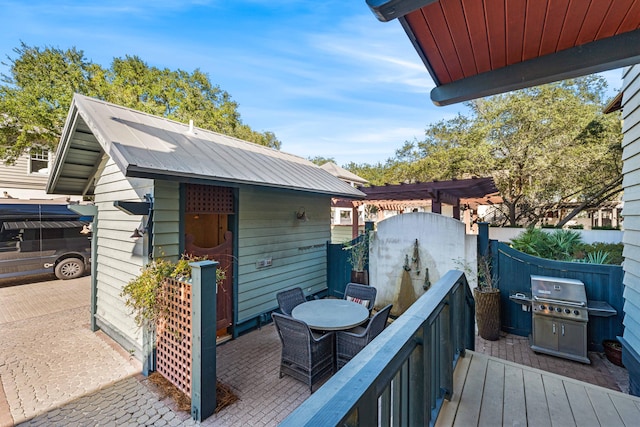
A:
[331,314]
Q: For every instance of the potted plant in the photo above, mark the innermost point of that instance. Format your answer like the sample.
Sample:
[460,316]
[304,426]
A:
[358,255]
[487,297]
[613,351]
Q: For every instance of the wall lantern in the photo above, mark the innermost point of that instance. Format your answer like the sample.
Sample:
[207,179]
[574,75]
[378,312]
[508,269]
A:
[301,214]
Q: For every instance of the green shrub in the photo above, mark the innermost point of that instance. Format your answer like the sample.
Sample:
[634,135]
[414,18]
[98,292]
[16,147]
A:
[614,251]
[142,294]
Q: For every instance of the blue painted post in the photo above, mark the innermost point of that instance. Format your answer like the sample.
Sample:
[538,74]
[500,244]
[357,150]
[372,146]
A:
[483,238]
[203,339]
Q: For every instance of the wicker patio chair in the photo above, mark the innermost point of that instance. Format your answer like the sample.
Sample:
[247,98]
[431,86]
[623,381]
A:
[304,356]
[362,294]
[349,343]
[288,300]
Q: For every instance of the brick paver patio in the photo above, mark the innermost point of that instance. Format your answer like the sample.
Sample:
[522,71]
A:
[56,372]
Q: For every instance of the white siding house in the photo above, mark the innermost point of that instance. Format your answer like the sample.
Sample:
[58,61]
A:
[27,177]
[275,205]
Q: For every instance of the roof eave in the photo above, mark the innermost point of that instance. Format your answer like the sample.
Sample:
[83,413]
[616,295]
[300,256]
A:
[388,10]
[135,171]
[606,54]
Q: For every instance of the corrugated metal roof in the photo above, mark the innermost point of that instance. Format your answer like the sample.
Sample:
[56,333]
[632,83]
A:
[143,145]
[342,173]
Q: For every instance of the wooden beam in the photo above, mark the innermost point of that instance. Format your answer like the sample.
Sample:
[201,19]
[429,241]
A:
[606,54]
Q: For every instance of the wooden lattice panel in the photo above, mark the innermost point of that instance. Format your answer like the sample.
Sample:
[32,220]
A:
[209,199]
[173,335]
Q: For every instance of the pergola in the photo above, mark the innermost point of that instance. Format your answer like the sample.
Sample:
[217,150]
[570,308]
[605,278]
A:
[457,192]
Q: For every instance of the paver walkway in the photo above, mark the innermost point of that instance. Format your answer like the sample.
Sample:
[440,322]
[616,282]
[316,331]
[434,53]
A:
[48,355]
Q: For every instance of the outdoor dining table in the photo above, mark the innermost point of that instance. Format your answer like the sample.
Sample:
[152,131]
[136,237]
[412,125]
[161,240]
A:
[331,314]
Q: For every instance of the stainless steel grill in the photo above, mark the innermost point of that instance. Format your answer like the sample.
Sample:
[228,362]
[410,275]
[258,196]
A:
[560,317]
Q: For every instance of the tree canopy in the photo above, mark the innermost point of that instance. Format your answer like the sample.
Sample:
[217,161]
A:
[36,94]
[544,146]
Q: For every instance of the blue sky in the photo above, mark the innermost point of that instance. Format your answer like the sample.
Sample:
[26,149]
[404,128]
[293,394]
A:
[326,77]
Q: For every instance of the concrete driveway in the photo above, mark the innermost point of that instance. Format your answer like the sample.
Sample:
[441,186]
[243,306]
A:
[49,356]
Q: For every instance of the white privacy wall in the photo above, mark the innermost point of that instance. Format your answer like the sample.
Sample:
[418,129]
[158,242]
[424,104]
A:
[443,246]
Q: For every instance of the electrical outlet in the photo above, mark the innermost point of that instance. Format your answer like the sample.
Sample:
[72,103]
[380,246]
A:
[267,262]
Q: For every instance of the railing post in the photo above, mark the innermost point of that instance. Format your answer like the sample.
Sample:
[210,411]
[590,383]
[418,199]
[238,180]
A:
[203,339]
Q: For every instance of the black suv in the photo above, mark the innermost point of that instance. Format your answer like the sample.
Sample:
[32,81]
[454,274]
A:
[37,238]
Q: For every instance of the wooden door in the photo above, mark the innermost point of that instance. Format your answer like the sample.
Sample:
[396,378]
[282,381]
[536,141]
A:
[206,223]
[223,254]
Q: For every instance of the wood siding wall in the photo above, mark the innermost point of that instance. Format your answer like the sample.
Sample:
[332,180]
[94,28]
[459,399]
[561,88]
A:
[631,213]
[119,257]
[18,176]
[166,220]
[269,229]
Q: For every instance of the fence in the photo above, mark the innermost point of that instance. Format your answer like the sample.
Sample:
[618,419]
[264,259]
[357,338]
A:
[403,376]
[339,268]
[602,283]
[173,335]
[186,337]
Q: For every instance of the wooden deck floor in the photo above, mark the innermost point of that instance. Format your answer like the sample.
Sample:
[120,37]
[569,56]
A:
[494,392]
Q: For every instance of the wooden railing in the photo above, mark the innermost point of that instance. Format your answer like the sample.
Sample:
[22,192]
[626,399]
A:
[403,376]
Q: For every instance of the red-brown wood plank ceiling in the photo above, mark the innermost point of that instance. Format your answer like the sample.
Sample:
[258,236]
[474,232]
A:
[463,38]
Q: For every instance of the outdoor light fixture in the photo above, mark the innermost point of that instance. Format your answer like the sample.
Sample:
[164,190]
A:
[137,234]
[301,214]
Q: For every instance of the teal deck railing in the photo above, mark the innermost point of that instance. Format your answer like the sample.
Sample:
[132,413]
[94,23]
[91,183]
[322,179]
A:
[403,376]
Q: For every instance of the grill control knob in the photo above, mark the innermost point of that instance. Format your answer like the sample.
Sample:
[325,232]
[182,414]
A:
[576,312]
[543,307]
[558,309]
[566,310]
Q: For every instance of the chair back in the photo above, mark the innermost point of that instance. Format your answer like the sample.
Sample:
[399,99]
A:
[378,322]
[289,299]
[295,336]
[362,294]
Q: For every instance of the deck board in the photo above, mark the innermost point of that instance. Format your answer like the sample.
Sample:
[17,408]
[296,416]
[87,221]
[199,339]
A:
[581,408]
[490,392]
[558,402]
[535,399]
[491,412]
[470,403]
[513,397]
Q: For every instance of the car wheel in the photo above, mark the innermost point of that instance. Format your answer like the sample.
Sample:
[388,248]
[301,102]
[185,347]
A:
[69,268]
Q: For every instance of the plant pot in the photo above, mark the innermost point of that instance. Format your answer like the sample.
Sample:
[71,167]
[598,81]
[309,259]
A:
[488,313]
[361,277]
[613,351]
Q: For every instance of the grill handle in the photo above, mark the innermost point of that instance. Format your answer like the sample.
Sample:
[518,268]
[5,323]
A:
[555,301]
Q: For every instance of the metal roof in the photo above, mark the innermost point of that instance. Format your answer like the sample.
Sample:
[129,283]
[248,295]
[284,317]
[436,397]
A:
[342,173]
[476,48]
[17,225]
[147,146]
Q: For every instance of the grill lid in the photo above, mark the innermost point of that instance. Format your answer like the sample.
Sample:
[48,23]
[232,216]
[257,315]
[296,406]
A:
[558,290]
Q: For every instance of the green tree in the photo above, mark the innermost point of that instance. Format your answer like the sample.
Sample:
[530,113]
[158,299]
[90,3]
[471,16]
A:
[36,95]
[320,160]
[544,146]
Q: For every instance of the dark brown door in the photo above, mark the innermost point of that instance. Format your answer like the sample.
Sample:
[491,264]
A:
[207,233]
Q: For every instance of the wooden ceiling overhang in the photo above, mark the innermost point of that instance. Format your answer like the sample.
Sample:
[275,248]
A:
[477,48]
